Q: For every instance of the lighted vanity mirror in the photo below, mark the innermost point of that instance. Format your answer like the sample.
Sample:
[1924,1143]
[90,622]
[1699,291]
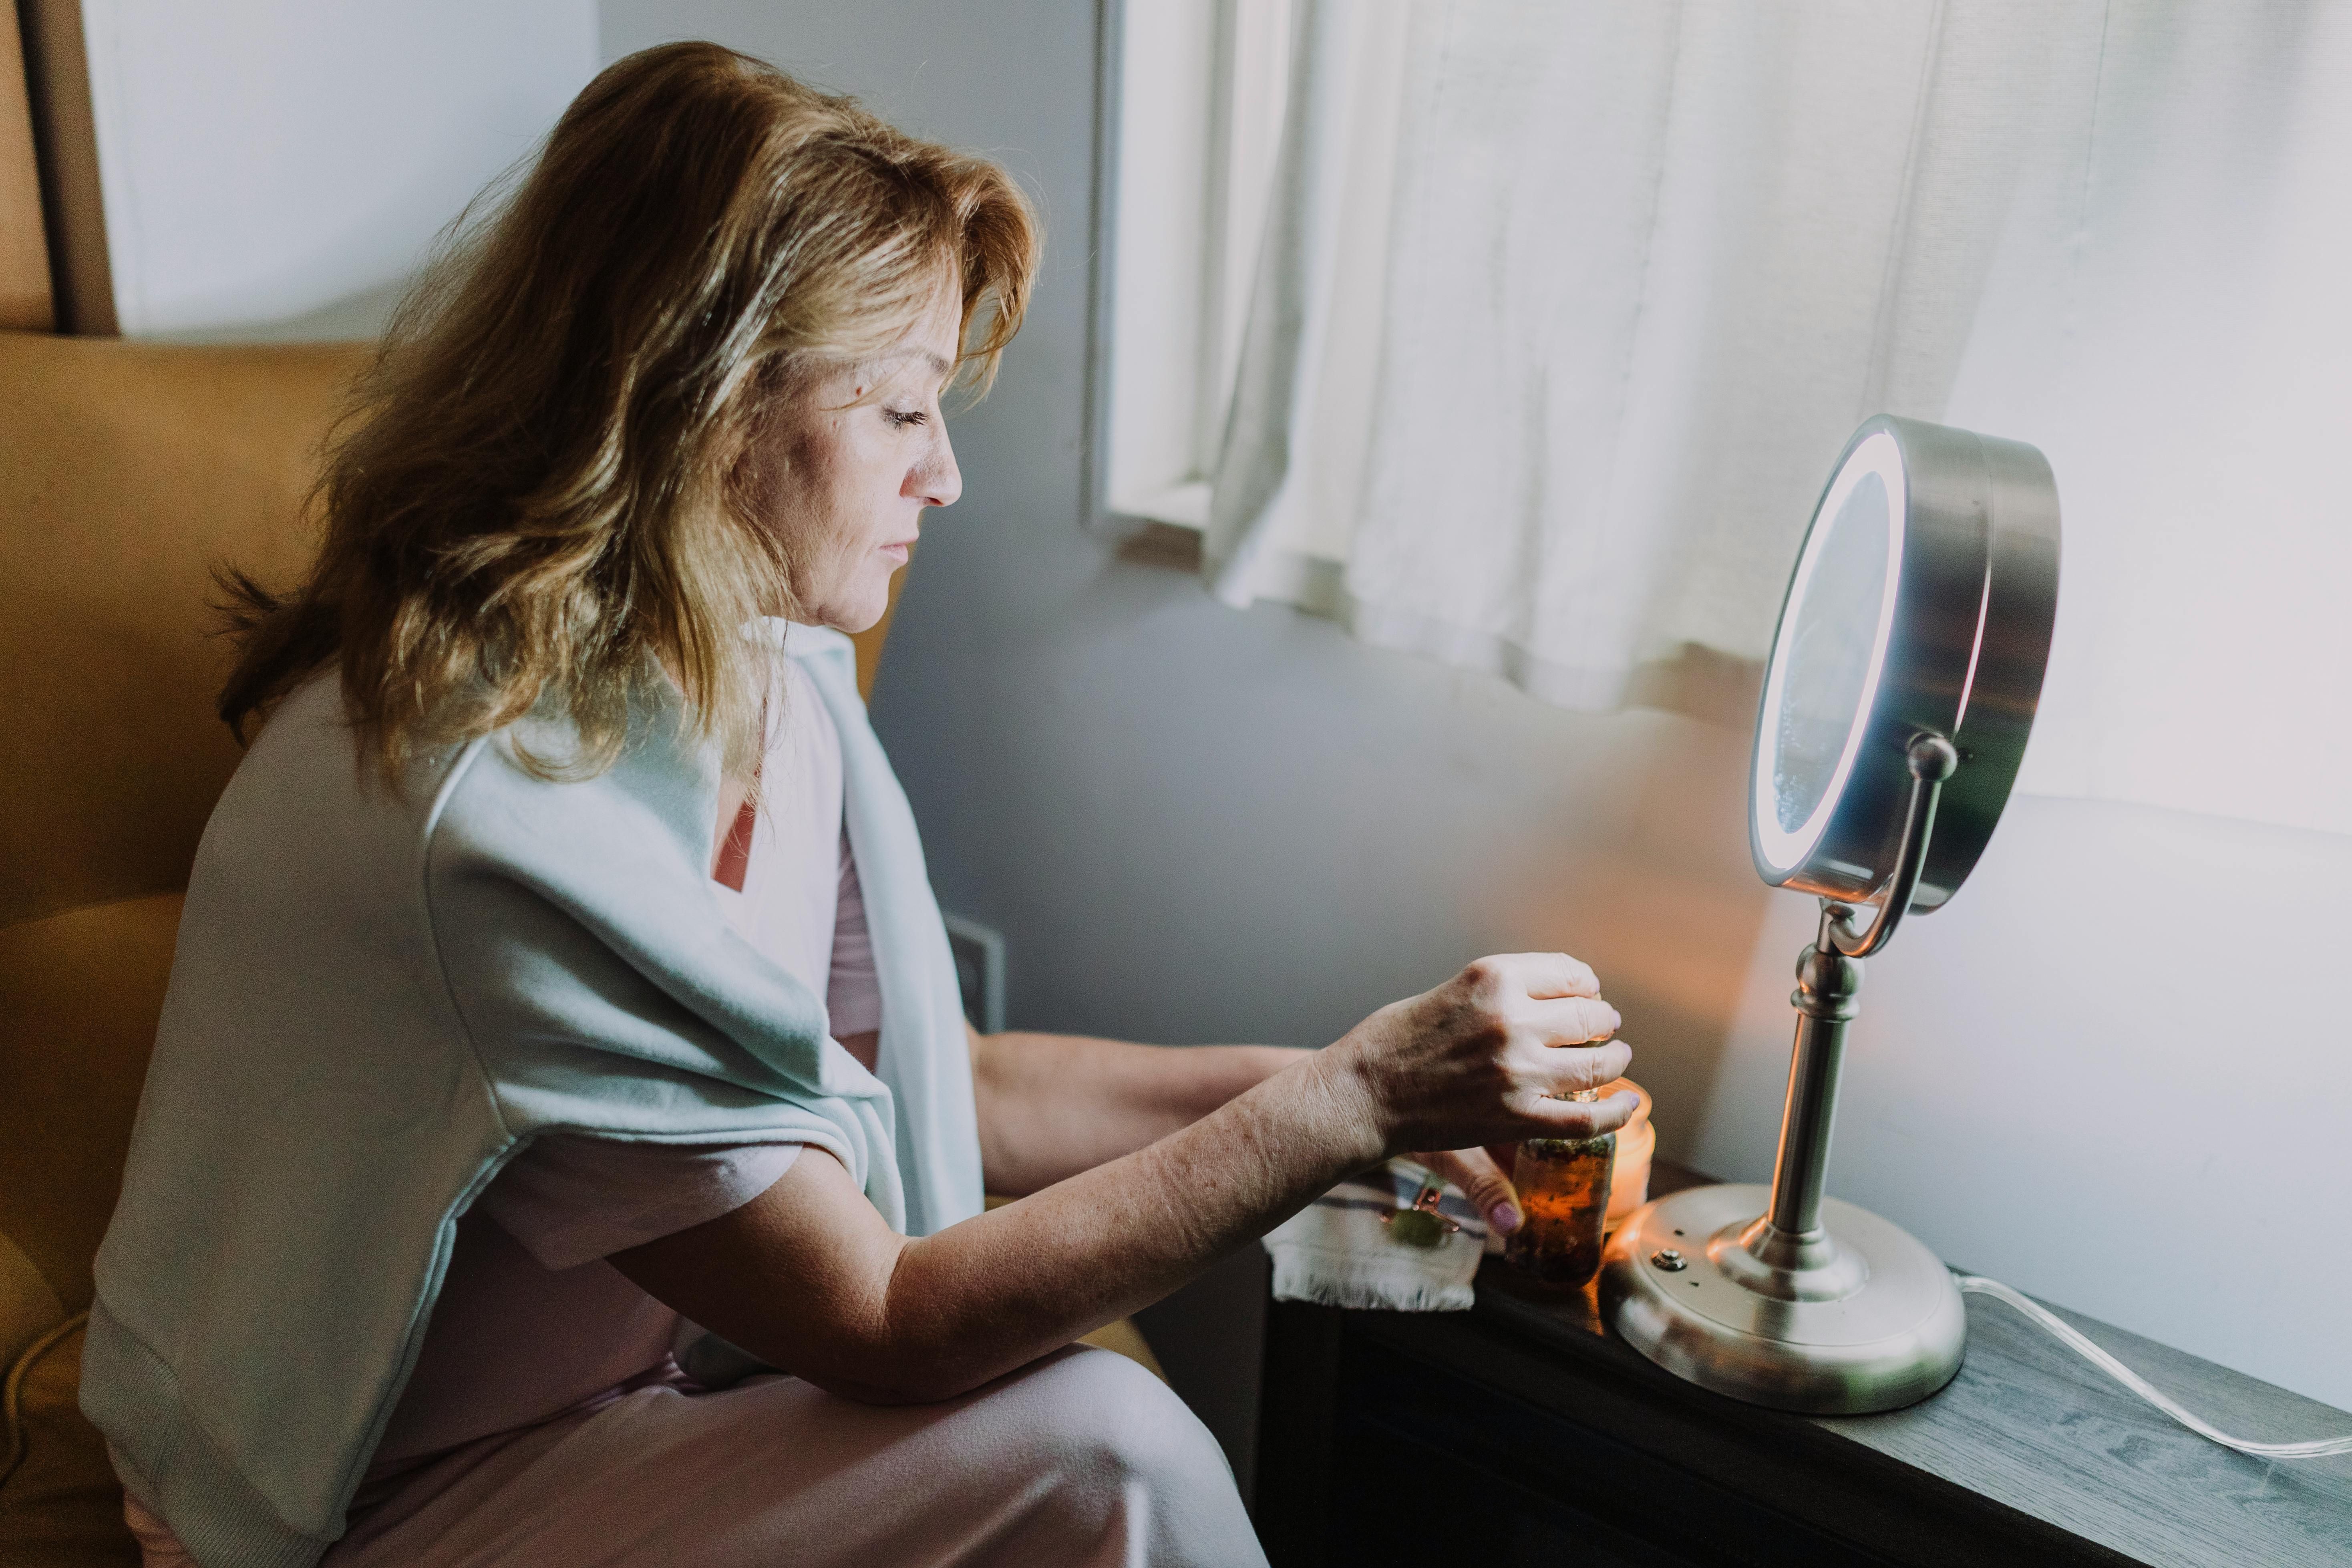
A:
[1897,704]
[1921,604]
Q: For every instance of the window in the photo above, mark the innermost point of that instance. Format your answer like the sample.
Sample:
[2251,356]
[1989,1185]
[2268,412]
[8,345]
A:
[1523,336]
[1200,106]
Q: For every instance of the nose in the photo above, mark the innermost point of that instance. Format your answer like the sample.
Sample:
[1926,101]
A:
[936,481]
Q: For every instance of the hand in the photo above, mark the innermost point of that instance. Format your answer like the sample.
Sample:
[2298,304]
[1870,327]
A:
[1488,1057]
[1485,1178]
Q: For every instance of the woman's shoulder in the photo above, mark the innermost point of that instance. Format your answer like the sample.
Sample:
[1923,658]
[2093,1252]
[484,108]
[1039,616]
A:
[521,802]
[305,789]
[308,750]
[524,795]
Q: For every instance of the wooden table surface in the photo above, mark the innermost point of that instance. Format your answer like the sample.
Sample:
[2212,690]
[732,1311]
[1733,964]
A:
[2030,1425]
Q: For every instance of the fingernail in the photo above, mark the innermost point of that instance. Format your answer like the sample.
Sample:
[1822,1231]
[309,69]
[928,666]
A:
[1504,1218]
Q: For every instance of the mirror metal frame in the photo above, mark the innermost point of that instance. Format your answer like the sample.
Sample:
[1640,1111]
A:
[1977,593]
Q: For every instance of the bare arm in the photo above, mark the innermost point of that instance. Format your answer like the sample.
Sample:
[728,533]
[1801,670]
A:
[1050,1106]
[810,1279]
[1054,1105]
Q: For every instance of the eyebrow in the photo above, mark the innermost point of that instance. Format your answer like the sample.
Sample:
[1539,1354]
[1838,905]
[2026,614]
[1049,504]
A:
[880,366]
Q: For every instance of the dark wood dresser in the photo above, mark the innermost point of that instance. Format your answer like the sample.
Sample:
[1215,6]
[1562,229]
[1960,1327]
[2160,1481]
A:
[1522,1432]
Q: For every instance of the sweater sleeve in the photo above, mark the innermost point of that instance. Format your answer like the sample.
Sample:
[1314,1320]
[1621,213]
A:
[601,989]
[572,1200]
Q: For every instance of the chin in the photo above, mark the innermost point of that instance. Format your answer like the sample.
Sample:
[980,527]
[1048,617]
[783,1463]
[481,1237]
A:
[859,609]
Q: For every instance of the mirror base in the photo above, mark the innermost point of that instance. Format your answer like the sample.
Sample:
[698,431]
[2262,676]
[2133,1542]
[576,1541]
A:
[1883,1327]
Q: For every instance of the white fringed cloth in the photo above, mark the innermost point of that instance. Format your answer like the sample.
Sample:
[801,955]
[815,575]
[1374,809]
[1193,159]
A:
[1361,1245]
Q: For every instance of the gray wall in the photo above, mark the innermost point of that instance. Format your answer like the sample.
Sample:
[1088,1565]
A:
[2111,1073]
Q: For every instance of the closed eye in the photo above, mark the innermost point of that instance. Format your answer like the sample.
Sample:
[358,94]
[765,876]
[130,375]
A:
[902,417]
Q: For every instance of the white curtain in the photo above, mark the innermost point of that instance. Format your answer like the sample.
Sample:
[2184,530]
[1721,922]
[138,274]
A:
[1565,309]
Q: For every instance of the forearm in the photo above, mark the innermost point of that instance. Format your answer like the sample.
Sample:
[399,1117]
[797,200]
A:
[1054,1105]
[980,1299]
[810,1279]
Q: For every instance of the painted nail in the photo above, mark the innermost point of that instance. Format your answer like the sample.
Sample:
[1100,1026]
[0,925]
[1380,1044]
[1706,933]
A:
[1504,1217]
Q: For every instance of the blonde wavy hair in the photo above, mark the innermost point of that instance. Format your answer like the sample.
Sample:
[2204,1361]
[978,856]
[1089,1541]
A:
[537,498]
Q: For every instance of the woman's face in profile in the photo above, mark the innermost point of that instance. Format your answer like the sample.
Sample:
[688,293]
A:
[843,472]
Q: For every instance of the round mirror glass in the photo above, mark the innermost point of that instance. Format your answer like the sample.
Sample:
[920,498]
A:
[1831,649]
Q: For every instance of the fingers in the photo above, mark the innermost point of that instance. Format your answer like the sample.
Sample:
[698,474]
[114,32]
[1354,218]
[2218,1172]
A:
[1538,975]
[1570,1070]
[1579,1118]
[1570,1020]
[1547,992]
[1482,1181]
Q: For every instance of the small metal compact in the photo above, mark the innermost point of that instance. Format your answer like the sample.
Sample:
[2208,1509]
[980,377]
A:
[1900,691]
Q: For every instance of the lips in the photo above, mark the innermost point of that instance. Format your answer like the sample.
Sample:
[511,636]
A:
[897,552]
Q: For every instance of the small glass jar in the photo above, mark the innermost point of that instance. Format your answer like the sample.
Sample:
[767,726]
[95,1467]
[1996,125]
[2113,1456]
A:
[1563,1205]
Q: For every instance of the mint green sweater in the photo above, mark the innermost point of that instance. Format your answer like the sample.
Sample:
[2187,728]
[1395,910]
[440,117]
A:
[379,999]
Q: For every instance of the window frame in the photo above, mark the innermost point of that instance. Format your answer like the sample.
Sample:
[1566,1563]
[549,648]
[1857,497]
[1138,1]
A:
[1189,108]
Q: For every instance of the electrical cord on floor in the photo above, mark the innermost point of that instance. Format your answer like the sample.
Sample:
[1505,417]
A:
[2067,1335]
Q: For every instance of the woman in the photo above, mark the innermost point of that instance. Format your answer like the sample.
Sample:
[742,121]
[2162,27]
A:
[558,970]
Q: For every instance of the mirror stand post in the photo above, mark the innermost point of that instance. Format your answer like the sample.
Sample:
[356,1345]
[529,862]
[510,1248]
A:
[1827,982]
[1789,1298]
[1829,977]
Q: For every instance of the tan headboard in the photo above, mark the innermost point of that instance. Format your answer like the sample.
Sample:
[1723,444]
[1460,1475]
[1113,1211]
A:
[126,470]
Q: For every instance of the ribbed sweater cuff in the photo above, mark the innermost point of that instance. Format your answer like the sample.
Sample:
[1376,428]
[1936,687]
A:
[172,1463]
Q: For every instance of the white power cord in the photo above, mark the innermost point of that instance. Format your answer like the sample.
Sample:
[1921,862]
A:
[2066,1334]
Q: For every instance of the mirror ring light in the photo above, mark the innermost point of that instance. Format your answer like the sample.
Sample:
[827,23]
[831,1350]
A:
[1921,604]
